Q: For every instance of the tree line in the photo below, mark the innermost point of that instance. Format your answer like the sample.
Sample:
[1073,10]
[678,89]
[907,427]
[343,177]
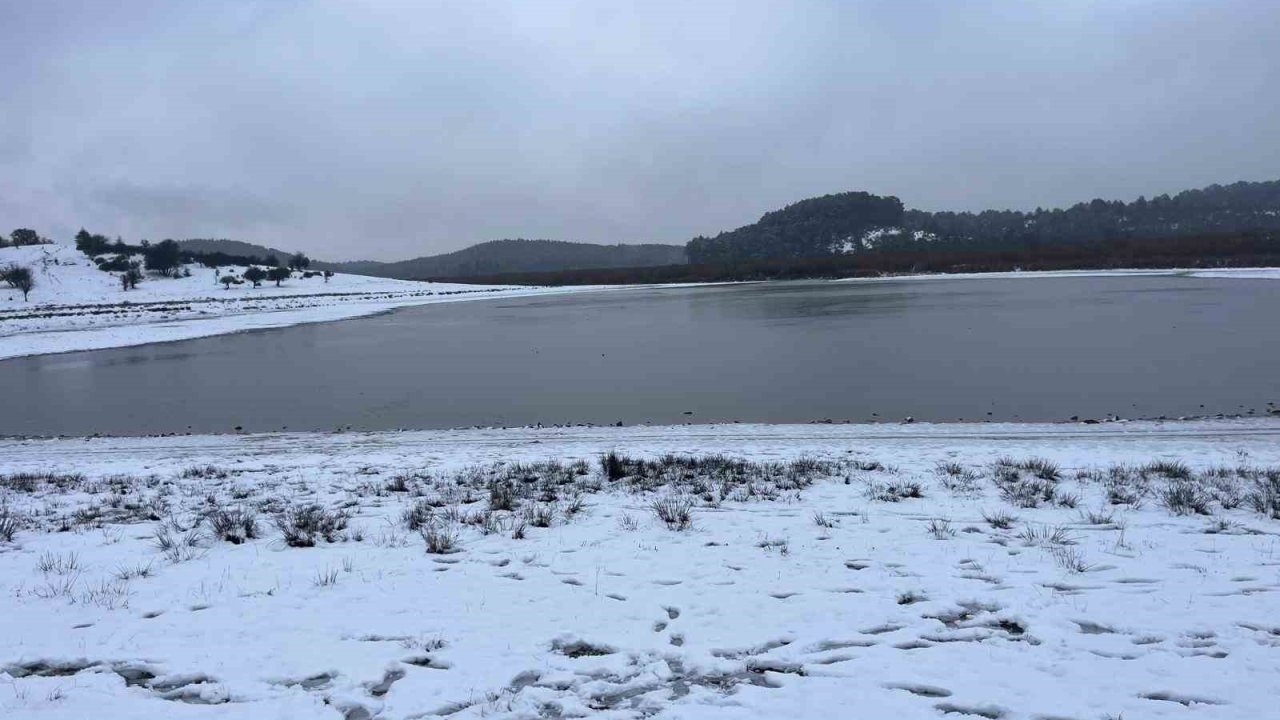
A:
[857,222]
[1212,250]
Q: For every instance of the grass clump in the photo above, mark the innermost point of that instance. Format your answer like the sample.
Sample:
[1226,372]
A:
[233,525]
[439,538]
[999,519]
[305,525]
[676,512]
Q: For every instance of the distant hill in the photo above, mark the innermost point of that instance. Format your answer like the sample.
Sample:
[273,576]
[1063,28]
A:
[510,256]
[857,222]
[487,258]
[232,247]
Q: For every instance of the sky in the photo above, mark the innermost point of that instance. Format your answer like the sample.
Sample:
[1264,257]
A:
[388,130]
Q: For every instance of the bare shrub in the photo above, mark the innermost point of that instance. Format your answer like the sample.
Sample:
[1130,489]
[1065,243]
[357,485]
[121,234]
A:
[957,478]
[895,491]
[821,520]
[675,511]
[234,525]
[941,529]
[417,515]
[1184,497]
[1264,496]
[206,472]
[178,544]
[304,525]
[502,495]
[1070,559]
[1045,536]
[59,564]
[540,515]
[1172,469]
[439,538]
[1101,516]
[325,578]
[10,522]
[999,519]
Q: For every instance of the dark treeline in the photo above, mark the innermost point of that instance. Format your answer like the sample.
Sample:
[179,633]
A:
[167,255]
[857,222]
[1245,249]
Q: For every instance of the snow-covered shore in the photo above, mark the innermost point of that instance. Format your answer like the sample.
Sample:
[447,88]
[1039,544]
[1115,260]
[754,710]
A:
[784,598]
[75,306]
[1256,273]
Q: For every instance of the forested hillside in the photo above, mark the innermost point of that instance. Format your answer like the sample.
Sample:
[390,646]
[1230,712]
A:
[505,256]
[857,222]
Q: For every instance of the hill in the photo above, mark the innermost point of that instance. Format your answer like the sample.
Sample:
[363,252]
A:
[857,222]
[234,247]
[515,256]
[496,256]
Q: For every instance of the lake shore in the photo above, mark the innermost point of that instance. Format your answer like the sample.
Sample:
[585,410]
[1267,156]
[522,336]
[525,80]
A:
[899,567]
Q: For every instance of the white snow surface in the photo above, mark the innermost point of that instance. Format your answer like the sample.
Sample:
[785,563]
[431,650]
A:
[76,306]
[756,611]
[1259,273]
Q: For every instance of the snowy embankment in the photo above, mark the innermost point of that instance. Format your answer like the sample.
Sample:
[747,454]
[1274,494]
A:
[905,571]
[1259,273]
[76,306]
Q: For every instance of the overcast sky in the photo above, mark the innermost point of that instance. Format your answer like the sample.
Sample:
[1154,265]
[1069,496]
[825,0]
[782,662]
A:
[393,129]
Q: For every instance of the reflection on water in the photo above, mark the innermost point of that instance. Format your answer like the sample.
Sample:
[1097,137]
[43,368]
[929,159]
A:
[771,352]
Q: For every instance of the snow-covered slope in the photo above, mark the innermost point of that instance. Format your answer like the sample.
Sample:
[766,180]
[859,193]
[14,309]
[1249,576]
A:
[76,306]
[911,579]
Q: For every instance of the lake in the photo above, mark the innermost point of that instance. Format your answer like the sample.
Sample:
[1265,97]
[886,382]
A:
[933,349]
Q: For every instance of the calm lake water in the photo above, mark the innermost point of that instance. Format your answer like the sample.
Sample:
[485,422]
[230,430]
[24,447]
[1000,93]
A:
[939,350]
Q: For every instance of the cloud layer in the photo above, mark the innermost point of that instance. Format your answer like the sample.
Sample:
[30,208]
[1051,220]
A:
[394,129]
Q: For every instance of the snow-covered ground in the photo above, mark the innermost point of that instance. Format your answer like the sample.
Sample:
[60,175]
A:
[75,306]
[808,590]
[1260,273]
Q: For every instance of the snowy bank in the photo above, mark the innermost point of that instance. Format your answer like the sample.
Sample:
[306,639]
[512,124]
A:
[1263,273]
[905,571]
[76,306]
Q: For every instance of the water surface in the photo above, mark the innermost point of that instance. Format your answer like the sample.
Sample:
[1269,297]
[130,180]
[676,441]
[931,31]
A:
[933,349]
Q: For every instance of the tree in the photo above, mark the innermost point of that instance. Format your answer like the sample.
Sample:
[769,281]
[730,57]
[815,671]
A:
[25,236]
[255,275]
[164,257]
[328,274]
[299,261]
[227,281]
[278,274]
[271,260]
[131,276]
[91,244]
[21,278]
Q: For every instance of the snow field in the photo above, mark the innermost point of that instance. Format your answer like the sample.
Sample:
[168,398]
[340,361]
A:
[902,571]
[76,306]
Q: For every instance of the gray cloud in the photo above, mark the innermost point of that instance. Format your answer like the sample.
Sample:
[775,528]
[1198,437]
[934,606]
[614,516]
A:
[392,129]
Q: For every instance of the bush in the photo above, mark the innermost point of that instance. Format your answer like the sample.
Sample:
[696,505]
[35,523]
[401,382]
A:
[303,525]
